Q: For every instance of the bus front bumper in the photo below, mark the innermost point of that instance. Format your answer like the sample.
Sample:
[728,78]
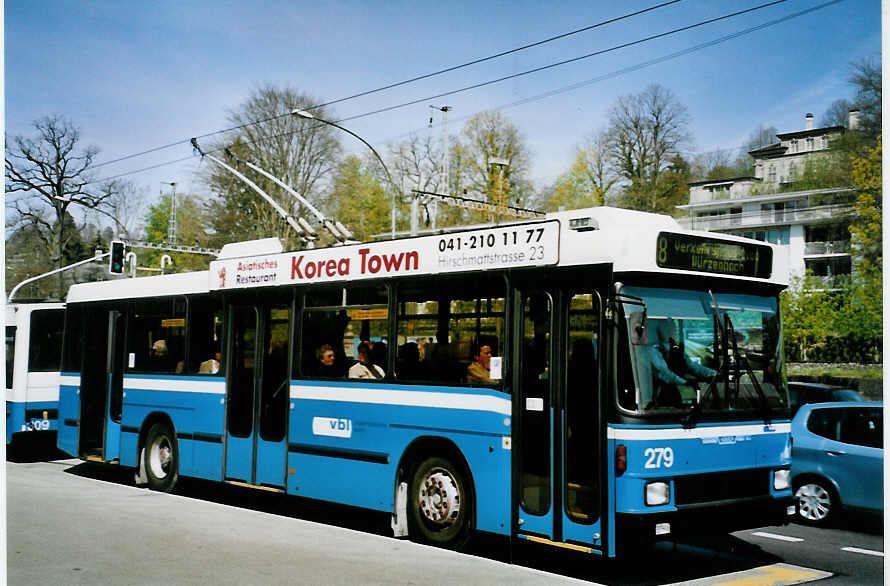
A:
[705,518]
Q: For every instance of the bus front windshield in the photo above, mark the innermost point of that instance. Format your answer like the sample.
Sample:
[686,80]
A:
[702,352]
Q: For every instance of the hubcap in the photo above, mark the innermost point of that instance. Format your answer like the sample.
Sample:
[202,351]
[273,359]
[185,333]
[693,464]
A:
[160,455]
[439,497]
[814,502]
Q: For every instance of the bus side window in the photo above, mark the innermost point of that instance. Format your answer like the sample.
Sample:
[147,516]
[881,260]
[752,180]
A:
[156,339]
[336,321]
[447,328]
[205,335]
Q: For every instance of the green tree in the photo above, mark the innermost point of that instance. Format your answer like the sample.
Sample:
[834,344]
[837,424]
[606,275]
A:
[190,231]
[358,200]
[866,231]
[588,181]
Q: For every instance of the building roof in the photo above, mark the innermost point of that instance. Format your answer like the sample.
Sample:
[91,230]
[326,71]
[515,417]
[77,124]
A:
[811,132]
[771,150]
[722,181]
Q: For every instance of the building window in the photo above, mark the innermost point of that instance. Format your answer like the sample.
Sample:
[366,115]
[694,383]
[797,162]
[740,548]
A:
[772,174]
[794,146]
[735,215]
[810,145]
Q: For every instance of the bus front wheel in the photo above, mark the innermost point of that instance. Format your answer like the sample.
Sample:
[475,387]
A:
[441,507]
[161,455]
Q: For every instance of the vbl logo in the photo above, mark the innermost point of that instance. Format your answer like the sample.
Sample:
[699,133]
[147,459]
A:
[332,427]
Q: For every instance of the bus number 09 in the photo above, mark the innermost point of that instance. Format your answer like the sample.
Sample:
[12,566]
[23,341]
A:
[658,457]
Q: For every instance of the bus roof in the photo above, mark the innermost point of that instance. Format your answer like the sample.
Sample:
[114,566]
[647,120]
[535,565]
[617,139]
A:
[630,241]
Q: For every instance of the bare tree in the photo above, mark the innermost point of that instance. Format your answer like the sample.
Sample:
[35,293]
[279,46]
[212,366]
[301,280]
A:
[867,79]
[488,136]
[645,132]
[837,114]
[49,176]
[298,151]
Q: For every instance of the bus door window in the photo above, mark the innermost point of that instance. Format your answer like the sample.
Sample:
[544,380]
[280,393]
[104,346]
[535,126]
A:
[582,488]
[445,328]
[45,341]
[534,363]
[273,409]
[205,336]
[338,321]
[239,412]
[156,340]
[10,354]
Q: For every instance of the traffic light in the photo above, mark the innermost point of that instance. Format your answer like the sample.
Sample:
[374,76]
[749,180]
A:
[116,259]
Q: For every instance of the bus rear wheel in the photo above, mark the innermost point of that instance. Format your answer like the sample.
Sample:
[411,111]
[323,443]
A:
[440,504]
[161,458]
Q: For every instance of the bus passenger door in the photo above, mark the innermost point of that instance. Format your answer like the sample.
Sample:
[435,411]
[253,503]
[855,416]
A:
[536,416]
[101,384]
[559,498]
[257,395]
[115,369]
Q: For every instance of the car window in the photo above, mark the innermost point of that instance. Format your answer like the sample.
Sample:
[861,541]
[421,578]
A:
[862,427]
[825,422]
[846,395]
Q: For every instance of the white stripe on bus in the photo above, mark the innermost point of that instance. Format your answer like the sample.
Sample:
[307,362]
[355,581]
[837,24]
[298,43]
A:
[465,401]
[182,386]
[699,432]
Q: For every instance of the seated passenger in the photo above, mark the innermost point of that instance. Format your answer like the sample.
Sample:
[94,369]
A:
[364,368]
[480,370]
[326,361]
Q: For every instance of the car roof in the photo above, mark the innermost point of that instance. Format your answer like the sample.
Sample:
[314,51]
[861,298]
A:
[840,405]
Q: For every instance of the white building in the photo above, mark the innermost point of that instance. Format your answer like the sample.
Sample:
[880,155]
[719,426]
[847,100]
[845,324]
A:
[812,225]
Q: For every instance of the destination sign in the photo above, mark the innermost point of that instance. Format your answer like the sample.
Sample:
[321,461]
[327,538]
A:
[503,247]
[710,255]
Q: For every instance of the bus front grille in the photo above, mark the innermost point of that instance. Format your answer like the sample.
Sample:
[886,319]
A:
[721,486]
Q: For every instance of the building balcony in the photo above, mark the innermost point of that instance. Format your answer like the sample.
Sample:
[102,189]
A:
[768,218]
[832,247]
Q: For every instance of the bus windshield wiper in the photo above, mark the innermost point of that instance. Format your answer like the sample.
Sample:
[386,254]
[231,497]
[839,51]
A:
[730,358]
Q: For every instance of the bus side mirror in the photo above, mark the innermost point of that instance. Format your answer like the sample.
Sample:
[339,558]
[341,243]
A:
[639,330]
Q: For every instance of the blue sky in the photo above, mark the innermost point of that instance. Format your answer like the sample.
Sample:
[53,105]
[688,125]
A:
[138,75]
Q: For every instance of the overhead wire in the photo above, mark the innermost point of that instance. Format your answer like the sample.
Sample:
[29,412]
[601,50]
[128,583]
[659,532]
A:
[564,89]
[404,82]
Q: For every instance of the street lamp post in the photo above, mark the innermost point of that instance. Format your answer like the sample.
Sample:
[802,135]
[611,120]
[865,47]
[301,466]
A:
[309,116]
[500,163]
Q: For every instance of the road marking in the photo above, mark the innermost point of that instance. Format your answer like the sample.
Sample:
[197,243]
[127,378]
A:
[772,575]
[777,536]
[865,551]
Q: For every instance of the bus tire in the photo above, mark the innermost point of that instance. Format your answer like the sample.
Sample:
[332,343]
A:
[440,508]
[161,458]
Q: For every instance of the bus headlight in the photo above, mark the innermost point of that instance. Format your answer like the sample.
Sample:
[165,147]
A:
[658,493]
[781,479]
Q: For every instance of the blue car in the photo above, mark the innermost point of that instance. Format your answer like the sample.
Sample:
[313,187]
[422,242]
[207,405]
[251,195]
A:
[802,393]
[837,459]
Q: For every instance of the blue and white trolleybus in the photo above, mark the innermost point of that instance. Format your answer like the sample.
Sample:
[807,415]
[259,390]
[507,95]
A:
[591,379]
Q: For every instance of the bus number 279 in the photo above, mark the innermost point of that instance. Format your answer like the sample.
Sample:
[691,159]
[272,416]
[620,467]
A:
[658,457]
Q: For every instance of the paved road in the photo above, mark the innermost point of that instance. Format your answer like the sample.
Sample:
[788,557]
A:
[77,523]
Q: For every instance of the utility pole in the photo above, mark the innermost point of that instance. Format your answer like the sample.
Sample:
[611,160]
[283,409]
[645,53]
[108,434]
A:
[171,230]
[434,204]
